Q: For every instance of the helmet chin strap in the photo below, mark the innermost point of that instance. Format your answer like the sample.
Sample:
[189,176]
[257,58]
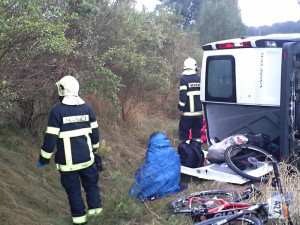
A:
[61,98]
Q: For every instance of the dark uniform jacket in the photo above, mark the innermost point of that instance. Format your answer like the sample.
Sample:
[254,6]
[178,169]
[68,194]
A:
[189,95]
[74,130]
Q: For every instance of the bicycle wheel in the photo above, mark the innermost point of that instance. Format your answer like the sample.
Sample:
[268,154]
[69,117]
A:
[240,152]
[239,221]
[180,205]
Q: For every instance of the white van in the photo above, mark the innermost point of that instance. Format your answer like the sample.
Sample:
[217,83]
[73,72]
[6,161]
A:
[252,84]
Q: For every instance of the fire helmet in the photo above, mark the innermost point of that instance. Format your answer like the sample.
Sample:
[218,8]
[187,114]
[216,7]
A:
[68,86]
[189,66]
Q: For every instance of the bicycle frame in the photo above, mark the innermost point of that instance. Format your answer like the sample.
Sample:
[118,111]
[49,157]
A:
[225,208]
[285,207]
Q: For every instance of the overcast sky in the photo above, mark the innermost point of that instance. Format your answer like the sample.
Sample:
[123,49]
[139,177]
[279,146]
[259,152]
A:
[256,12]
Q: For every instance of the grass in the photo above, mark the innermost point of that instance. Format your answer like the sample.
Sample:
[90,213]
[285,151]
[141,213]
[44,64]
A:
[34,196]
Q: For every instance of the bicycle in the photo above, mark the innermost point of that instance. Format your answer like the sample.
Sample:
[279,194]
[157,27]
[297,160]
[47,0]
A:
[208,204]
[199,205]
[243,215]
[257,155]
[238,157]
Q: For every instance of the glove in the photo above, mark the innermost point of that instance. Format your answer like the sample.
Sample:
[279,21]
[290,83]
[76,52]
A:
[98,162]
[40,165]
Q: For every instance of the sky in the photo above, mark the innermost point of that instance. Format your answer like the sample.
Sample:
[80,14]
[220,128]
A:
[255,12]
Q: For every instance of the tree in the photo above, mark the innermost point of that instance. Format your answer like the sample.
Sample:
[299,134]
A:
[134,55]
[286,27]
[188,9]
[114,51]
[33,44]
[219,19]
[131,50]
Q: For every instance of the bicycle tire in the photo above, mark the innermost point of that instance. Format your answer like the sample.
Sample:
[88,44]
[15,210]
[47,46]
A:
[251,220]
[228,160]
[180,203]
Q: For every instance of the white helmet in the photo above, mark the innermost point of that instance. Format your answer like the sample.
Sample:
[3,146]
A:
[189,66]
[68,86]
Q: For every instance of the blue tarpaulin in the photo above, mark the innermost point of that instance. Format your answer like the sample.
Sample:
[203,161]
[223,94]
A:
[160,175]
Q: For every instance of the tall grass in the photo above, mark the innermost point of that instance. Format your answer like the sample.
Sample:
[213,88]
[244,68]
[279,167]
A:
[30,195]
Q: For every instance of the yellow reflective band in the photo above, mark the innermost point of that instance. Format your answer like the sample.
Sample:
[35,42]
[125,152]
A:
[52,130]
[94,212]
[45,154]
[68,151]
[94,124]
[181,103]
[66,168]
[96,145]
[193,93]
[193,113]
[183,87]
[75,133]
[89,142]
[79,220]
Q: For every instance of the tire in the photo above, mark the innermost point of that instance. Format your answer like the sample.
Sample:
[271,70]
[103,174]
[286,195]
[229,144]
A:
[180,205]
[243,220]
[250,149]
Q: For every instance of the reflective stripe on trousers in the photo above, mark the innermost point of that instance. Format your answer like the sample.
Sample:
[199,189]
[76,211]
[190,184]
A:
[94,212]
[79,219]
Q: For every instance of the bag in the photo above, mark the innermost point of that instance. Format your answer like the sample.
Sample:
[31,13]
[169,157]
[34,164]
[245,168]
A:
[98,162]
[217,150]
[191,154]
[258,140]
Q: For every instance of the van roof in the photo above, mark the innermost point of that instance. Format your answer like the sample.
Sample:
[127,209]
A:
[271,40]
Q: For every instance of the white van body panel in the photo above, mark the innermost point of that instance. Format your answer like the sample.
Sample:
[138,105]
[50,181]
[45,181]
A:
[258,74]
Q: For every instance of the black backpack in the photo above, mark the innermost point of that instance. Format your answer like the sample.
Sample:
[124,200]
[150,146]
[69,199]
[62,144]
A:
[191,154]
[259,140]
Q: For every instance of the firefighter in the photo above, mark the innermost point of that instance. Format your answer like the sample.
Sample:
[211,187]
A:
[190,106]
[73,128]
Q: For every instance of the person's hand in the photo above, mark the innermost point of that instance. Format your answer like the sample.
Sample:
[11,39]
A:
[180,113]
[40,165]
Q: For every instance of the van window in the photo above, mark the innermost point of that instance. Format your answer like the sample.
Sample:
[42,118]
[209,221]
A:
[220,79]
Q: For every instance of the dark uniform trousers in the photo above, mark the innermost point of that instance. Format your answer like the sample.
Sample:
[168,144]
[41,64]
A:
[190,122]
[89,179]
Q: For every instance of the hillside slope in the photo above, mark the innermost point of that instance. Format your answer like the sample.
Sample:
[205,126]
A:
[34,196]
[28,195]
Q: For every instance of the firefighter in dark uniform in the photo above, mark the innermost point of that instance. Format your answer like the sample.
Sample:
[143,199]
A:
[190,106]
[73,128]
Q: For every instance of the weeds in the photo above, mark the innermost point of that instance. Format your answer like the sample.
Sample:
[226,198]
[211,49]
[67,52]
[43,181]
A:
[35,196]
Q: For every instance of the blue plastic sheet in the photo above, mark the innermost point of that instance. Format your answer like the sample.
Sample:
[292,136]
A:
[160,175]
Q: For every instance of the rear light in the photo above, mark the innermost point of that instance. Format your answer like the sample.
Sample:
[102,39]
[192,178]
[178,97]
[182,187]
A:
[225,46]
[245,44]
[270,44]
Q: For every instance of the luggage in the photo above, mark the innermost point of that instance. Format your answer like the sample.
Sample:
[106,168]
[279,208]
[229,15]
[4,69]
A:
[191,154]
[217,150]
[259,140]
